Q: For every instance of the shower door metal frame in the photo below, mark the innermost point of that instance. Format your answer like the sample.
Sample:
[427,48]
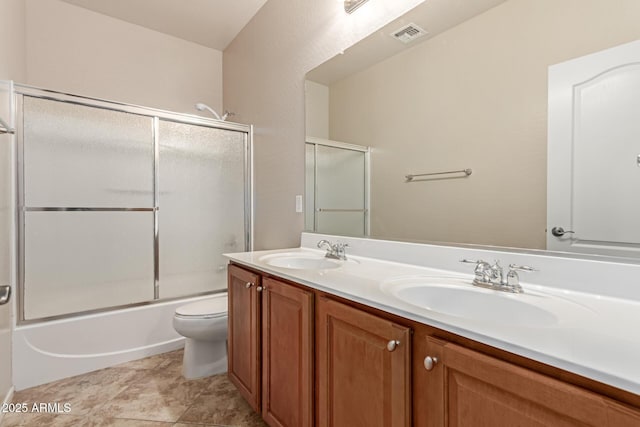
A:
[156,115]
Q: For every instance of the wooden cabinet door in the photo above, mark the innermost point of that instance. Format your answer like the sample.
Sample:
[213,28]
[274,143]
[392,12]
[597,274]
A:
[244,334]
[361,382]
[622,416]
[287,355]
[473,389]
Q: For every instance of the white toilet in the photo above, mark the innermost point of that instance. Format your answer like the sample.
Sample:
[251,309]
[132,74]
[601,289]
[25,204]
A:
[204,325]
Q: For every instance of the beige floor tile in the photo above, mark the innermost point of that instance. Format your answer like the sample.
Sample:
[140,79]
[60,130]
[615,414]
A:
[43,420]
[149,392]
[221,404]
[119,422]
[196,425]
[172,363]
[86,393]
[154,395]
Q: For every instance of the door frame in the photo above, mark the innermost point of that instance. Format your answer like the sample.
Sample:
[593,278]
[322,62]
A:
[7,239]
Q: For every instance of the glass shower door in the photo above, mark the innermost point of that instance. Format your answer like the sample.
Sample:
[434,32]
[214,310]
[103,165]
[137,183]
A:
[121,205]
[201,206]
[339,190]
[87,195]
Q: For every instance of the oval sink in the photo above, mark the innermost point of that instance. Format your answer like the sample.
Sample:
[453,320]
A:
[457,297]
[300,261]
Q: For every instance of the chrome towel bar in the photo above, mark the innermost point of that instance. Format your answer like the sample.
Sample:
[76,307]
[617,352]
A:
[410,177]
[340,210]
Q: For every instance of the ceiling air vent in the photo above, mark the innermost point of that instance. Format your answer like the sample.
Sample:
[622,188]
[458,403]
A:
[408,33]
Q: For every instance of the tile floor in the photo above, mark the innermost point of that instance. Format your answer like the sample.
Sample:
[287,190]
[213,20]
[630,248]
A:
[148,392]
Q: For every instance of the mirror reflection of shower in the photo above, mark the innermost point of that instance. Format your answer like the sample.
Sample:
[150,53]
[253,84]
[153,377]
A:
[201,107]
[337,187]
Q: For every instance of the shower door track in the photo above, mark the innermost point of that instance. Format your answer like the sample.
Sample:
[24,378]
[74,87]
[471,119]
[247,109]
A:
[156,114]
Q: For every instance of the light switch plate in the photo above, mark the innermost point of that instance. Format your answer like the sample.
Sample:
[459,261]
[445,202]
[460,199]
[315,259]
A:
[299,203]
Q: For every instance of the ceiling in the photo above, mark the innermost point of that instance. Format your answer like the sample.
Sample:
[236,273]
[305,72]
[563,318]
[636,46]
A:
[434,16]
[211,23]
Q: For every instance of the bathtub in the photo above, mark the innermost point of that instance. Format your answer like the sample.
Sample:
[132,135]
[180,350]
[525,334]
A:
[53,350]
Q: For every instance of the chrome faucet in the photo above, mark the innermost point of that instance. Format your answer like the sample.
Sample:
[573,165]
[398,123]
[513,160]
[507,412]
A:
[335,250]
[493,277]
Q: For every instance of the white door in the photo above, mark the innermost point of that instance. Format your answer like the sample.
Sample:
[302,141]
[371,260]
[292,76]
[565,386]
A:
[6,218]
[593,183]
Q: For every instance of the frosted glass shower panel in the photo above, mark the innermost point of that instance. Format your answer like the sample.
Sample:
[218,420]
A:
[341,223]
[340,191]
[201,206]
[81,156]
[79,261]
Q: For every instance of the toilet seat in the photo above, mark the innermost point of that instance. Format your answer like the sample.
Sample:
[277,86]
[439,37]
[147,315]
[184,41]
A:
[205,309]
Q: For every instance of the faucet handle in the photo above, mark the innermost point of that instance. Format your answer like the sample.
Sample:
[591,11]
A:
[513,280]
[472,261]
[324,242]
[515,267]
[482,268]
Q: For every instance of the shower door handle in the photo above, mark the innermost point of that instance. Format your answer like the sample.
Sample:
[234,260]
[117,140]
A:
[5,294]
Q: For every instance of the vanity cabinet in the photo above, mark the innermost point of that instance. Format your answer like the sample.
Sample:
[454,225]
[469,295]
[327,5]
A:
[270,348]
[287,355]
[302,357]
[363,368]
[243,351]
[468,388]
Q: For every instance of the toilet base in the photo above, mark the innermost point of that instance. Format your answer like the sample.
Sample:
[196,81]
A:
[204,358]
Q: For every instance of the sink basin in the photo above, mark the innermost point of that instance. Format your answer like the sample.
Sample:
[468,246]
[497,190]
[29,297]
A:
[457,297]
[300,261]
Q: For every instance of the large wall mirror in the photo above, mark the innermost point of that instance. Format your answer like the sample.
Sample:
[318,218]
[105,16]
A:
[463,86]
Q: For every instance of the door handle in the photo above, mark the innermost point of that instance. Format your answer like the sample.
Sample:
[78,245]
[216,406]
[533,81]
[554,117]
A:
[5,294]
[559,231]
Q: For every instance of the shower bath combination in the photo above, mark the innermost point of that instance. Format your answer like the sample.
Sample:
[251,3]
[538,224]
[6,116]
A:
[106,252]
[201,107]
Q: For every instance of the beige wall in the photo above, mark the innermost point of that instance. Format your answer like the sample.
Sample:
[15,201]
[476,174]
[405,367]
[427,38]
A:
[472,97]
[316,106]
[12,40]
[264,69]
[71,49]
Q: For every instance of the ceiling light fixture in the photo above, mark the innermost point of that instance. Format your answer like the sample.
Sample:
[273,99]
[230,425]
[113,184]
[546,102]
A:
[351,5]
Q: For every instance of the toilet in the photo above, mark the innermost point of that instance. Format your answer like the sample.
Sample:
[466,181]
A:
[204,325]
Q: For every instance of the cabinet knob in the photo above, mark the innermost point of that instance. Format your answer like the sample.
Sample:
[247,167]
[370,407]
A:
[391,345]
[248,285]
[430,362]
[260,288]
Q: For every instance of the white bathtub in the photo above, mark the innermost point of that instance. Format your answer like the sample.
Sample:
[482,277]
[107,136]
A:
[50,351]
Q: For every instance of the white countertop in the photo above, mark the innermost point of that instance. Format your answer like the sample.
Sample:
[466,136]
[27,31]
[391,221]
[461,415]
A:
[595,335]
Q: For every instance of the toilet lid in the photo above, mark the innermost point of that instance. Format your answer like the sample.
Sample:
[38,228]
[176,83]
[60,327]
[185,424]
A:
[207,307]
